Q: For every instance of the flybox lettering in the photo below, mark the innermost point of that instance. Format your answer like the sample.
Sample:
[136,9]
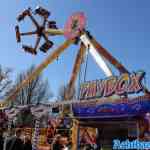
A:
[124,84]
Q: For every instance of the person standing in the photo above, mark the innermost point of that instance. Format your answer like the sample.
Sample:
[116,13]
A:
[15,143]
[27,143]
[1,139]
[61,143]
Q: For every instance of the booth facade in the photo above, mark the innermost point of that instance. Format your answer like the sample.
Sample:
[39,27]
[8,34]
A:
[114,117]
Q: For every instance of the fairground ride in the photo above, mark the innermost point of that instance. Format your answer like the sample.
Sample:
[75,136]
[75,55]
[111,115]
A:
[75,33]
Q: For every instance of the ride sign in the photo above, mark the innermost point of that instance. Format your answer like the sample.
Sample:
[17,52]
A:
[122,85]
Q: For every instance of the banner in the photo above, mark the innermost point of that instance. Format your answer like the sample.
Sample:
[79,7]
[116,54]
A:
[122,85]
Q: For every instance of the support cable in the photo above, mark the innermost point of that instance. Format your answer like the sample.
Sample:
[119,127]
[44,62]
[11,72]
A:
[86,64]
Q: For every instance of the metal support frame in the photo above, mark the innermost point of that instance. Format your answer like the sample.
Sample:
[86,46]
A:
[75,71]
[97,56]
[39,69]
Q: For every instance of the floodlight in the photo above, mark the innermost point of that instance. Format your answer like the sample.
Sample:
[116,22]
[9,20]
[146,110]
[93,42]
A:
[47,45]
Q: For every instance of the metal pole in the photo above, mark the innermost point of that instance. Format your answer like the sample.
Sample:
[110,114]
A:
[7,134]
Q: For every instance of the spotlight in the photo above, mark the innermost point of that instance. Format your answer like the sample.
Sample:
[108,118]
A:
[29,49]
[42,12]
[52,25]
[23,14]
[18,37]
[47,45]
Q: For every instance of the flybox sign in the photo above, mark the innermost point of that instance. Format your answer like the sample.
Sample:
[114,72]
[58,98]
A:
[124,84]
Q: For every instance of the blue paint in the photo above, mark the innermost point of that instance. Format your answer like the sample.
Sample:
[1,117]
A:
[113,110]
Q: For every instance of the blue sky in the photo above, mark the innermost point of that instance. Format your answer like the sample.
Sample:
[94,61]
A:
[122,27]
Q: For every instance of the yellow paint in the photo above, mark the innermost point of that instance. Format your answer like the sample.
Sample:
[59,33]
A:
[74,134]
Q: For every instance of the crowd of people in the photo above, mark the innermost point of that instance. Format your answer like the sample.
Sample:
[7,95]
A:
[21,141]
[16,141]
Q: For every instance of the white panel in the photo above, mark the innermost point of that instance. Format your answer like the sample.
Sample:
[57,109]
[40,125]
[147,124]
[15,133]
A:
[97,57]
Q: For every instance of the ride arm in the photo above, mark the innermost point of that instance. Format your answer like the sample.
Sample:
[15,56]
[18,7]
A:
[54,55]
[54,32]
[102,51]
[75,71]
[96,55]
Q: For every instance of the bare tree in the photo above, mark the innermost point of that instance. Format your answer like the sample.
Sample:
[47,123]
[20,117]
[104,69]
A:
[35,92]
[5,81]
[62,91]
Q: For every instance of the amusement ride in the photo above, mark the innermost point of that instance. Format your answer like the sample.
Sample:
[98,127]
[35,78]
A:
[75,33]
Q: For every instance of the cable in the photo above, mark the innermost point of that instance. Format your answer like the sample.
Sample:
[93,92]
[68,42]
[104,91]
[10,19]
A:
[86,64]
[79,82]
